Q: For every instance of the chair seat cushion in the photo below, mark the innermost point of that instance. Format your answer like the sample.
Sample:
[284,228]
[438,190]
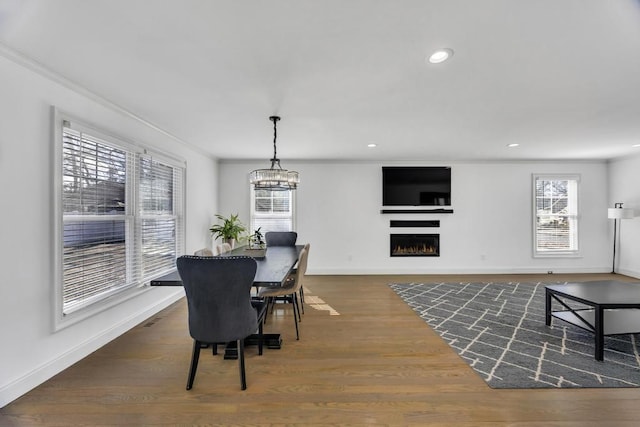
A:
[274,291]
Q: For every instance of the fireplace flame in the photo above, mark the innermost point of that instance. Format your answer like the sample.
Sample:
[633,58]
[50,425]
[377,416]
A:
[415,250]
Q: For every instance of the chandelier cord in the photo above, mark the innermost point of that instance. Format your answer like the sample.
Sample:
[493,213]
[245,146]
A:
[275,159]
[275,135]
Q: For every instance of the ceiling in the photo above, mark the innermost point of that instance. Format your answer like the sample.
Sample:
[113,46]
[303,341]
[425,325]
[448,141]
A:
[559,77]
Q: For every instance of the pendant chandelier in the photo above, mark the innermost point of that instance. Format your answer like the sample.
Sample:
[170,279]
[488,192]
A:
[274,178]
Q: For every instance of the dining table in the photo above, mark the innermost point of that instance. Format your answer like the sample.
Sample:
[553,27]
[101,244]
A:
[274,265]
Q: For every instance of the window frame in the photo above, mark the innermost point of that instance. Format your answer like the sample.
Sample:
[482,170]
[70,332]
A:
[254,214]
[136,282]
[574,218]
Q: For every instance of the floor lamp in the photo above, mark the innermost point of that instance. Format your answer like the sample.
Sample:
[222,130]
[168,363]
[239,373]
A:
[616,213]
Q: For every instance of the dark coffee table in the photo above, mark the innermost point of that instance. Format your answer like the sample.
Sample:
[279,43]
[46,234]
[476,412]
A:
[611,308]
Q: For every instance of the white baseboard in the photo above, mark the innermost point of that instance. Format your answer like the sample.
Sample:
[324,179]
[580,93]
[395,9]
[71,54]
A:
[631,273]
[431,271]
[20,386]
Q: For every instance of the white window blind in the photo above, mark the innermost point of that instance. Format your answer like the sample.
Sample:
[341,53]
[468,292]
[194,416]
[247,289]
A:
[272,210]
[121,214]
[556,214]
[158,219]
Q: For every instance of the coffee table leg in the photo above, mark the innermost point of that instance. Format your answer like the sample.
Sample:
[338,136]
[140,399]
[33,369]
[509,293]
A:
[547,317]
[599,333]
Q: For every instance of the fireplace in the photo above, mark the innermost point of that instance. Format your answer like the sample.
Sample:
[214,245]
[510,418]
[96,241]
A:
[415,245]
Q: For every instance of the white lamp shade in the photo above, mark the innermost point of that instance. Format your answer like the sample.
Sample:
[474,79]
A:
[620,213]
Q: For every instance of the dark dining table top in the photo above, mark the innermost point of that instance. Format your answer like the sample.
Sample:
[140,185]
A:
[274,265]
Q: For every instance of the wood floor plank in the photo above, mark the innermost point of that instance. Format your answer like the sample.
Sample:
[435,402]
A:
[376,363]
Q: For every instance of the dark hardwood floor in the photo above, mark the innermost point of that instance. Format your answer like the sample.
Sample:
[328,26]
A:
[364,358]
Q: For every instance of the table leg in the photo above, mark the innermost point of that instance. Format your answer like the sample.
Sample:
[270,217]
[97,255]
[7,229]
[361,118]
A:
[547,304]
[599,333]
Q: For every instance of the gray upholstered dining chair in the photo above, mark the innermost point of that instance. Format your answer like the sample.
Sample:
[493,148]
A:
[219,304]
[289,291]
[280,238]
[284,238]
[223,248]
[307,246]
[203,252]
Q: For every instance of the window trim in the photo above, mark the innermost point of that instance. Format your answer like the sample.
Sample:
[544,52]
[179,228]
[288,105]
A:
[252,213]
[60,319]
[557,253]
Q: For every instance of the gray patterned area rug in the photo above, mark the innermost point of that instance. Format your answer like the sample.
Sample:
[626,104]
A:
[499,330]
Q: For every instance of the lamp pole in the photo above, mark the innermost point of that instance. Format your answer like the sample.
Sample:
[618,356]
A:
[615,226]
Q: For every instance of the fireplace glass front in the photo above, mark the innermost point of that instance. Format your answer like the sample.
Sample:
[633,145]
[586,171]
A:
[403,245]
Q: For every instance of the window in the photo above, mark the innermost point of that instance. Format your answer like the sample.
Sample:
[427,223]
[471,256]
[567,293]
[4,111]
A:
[272,210]
[555,215]
[119,216]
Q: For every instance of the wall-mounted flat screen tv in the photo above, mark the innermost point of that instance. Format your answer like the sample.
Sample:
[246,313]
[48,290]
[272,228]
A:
[416,186]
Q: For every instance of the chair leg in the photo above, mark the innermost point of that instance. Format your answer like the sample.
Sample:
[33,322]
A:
[260,337]
[295,317]
[243,377]
[268,301]
[294,297]
[302,298]
[194,364]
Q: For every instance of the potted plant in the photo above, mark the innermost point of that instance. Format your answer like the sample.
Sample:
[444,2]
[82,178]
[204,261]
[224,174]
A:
[230,230]
[255,240]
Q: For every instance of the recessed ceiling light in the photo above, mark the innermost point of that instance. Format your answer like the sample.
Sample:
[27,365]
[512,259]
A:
[372,145]
[440,55]
[636,145]
[513,145]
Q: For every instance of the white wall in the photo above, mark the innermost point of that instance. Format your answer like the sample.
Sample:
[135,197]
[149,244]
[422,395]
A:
[31,352]
[490,231]
[624,176]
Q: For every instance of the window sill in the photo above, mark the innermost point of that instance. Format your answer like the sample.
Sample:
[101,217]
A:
[558,255]
[65,320]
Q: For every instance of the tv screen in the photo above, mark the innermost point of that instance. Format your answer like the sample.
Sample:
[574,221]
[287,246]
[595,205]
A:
[416,186]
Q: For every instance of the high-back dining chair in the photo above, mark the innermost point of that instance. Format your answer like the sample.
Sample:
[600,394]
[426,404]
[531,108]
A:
[223,248]
[307,246]
[280,238]
[289,291]
[219,304]
[203,252]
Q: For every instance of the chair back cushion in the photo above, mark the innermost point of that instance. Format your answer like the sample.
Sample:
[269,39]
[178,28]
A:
[223,248]
[203,252]
[218,291]
[302,268]
[280,238]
